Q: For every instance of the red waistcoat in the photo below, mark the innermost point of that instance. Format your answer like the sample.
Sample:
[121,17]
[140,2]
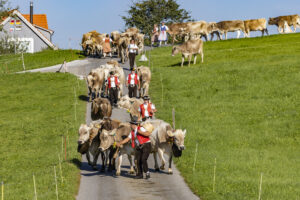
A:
[142,139]
[116,81]
[135,78]
[148,108]
[107,40]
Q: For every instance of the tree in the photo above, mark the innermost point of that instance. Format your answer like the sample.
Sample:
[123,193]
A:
[143,14]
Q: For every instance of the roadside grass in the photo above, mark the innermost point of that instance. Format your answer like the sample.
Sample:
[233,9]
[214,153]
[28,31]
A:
[242,107]
[36,112]
[13,63]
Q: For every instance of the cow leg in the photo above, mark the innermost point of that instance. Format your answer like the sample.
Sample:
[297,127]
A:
[205,36]
[94,165]
[182,60]
[111,165]
[190,58]
[225,35]
[88,158]
[238,34]
[170,164]
[155,161]
[120,158]
[211,36]
[131,171]
[202,56]
[161,156]
[295,27]
[195,59]
[267,32]
[103,157]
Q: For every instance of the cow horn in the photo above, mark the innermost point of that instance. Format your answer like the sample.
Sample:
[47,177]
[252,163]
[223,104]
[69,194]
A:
[170,133]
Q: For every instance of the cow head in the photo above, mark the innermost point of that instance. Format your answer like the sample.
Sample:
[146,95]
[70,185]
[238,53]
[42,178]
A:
[84,135]
[106,139]
[179,136]
[89,79]
[272,21]
[175,50]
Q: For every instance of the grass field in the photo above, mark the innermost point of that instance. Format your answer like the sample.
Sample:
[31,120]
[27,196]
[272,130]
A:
[36,112]
[242,108]
[13,63]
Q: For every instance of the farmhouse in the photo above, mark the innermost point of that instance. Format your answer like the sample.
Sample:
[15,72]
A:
[32,29]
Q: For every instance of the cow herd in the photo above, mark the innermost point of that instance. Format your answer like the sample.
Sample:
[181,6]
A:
[101,135]
[192,30]
[92,43]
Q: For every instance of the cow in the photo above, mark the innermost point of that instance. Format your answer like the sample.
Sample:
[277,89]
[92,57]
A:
[131,105]
[92,43]
[291,20]
[122,44]
[176,30]
[255,25]
[188,49]
[139,39]
[194,30]
[95,81]
[230,26]
[212,30]
[100,108]
[110,138]
[165,140]
[144,74]
[88,143]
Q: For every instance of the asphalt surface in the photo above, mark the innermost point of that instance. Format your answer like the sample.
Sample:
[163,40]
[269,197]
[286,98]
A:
[95,185]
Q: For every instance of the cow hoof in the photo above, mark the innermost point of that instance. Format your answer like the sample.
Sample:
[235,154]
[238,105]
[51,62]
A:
[131,172]
[162,167]
[118,173]
[170,172]
[157,169]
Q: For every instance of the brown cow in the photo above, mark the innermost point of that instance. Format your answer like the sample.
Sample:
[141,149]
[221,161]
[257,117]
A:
[144,74]
[95,80]
[188,49]
[255,25]
[292,20]
[176,30]
[100,108]
[194,29]
[230,26]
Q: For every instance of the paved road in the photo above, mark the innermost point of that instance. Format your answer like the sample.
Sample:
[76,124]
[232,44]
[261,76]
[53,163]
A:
[95,185]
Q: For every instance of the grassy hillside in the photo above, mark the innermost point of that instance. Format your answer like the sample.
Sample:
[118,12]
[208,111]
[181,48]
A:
[13,63]
[242,108]
[36,111]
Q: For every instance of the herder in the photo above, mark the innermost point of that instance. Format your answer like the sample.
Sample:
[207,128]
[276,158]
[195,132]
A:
[140,140]
[146,110]
[133,83]
[112,85]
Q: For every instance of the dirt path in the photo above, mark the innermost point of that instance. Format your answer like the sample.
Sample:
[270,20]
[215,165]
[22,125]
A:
[95,185]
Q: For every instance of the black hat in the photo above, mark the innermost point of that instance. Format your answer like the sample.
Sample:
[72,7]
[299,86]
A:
[132,69]
[111,72]
[146,98]
[134,122]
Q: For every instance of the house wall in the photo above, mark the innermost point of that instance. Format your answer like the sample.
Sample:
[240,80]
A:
[25,32]
[45,33]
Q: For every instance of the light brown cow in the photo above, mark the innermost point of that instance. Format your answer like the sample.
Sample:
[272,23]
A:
[144,74]
[95,81]
[188,49]
[195,30]
[100,108]
[131,105]
[176,30]
[122,44]
[292,20]
[230,26]
[255,25]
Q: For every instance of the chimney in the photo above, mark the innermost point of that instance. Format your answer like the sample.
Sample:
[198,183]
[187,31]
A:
[31,12]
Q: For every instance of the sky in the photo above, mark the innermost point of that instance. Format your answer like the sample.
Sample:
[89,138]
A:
[71,18]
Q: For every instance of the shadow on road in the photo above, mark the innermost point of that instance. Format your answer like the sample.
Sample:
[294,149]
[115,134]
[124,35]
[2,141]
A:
[83,98]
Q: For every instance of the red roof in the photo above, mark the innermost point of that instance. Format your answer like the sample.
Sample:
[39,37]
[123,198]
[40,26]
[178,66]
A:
[38,19]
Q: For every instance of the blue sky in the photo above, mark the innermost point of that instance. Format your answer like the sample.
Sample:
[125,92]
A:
[71,18]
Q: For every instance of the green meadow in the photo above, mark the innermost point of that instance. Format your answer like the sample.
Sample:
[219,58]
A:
[241,108]
[39,118]
[13,63]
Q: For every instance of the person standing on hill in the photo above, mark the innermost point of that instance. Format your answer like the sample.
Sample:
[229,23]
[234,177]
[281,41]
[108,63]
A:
[133,83]
[106,46]
[163,37]
[146,110]
[155,34]
[112,85]
[132,49]
[140,141]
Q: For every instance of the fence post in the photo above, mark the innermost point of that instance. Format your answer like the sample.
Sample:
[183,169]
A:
[56,190]
[214,179]
[34,186]
[162,91]
[173,118]
[61,176]
[195,157]
[260,185]
[23,62]
[2,190]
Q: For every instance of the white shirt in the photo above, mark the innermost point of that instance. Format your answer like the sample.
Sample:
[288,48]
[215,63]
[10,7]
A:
[146,109]
[135,133]
[132,78]
[132,47]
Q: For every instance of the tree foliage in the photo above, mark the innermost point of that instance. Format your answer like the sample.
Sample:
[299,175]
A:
[143,14]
